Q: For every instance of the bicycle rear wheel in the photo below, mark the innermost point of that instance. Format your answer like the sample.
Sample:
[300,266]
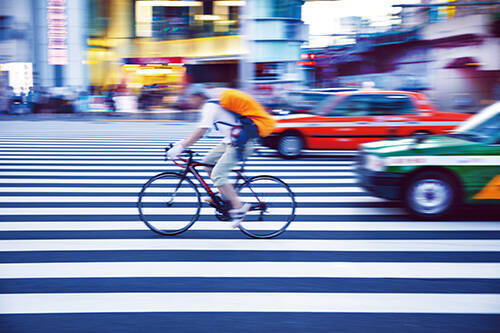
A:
[169,204]
[272,206]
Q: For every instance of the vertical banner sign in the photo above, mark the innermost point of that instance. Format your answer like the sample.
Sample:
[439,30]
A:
[57,32]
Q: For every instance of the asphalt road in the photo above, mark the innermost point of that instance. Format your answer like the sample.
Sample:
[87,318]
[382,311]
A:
[74,257]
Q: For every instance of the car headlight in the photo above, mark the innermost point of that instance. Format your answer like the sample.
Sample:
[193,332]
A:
[374,163]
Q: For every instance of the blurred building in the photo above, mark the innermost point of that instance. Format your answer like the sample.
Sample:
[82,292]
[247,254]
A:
[140,43]
[43,44]
[16,57]
[169,43]
[273,34]
[448,51]
[66,46]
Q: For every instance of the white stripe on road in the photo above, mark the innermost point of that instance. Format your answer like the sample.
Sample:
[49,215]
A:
[182,211]
[70,152]
[249,302]
[111,199]
[163,143]
[94,139]
[252,270]
[96,149]
[54,165]
[111,189]
[132,160]
[410,245]
[69,146]
[154,171]
[142,181]
[295,226]
[131,152]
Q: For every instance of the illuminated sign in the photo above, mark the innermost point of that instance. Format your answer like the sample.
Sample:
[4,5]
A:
[154,61]
[57,32]
[307,63]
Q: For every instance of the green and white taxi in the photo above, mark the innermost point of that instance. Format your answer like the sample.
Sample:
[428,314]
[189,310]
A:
[433,174]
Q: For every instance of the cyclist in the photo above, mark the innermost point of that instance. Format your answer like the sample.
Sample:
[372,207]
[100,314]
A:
[223,157]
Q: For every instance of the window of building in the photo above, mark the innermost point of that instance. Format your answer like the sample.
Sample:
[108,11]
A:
[287,8]
[170,22]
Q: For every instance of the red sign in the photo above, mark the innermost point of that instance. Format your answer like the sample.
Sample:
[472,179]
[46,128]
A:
[57,32]
[154,61]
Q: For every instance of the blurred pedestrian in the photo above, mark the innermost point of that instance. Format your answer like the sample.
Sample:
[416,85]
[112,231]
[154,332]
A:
[10,96]
[110,99]
[29,99]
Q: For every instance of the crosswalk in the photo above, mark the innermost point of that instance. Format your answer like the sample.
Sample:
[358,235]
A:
[74,256]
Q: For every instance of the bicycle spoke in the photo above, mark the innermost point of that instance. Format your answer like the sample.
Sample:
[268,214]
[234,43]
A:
[169,204]
[272,206]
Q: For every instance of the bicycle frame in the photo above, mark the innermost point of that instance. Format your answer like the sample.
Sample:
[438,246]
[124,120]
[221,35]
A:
[190,166]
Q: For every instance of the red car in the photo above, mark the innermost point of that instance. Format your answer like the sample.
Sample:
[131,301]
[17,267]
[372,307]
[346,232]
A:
[347,119]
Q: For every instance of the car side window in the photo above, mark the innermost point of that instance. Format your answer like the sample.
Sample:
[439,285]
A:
[351,106]
[391,105]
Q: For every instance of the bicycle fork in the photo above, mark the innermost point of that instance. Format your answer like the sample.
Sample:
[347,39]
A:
[172,197]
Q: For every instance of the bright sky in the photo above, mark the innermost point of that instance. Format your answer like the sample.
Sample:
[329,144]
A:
[323,17]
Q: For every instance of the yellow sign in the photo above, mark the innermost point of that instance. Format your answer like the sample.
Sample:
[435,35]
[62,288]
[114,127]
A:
[491,190]
[451,10]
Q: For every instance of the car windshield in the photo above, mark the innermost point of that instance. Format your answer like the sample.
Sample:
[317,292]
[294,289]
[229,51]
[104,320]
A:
[482,126]
[320,107]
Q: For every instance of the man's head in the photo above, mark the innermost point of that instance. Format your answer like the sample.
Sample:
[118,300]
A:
[197,95]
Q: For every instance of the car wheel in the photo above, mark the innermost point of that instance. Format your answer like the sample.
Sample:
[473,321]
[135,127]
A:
[431,195]
[290,145]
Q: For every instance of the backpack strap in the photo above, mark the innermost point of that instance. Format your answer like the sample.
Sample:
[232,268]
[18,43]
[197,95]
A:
[236,116]
[223,123]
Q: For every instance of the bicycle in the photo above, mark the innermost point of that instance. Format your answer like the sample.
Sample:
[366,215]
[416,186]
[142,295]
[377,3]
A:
[272,202]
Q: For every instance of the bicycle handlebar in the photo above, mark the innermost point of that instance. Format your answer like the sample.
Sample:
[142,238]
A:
[191,154]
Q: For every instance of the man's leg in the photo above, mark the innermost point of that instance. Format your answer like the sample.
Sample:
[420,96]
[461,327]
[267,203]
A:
[228,192]
[221,170]
[213,157]
[219,175]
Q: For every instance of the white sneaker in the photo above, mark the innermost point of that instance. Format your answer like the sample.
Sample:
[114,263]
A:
[237,215]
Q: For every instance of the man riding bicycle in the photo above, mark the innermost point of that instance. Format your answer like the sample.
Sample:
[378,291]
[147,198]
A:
[223,157]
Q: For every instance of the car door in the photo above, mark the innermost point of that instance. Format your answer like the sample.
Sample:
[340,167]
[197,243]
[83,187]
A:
[393,115]
[345,124]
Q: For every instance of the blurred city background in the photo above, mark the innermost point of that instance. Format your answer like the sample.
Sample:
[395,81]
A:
[399,235]
[137,56]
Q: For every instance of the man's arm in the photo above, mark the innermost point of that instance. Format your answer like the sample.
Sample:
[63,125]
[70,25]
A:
[195,136]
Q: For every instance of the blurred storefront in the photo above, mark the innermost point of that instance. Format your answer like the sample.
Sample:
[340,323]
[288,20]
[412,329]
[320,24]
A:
[170,42]
[209,36]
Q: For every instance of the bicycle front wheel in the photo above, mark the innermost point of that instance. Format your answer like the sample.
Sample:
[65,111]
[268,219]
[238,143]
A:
[169,203]
[272,206]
